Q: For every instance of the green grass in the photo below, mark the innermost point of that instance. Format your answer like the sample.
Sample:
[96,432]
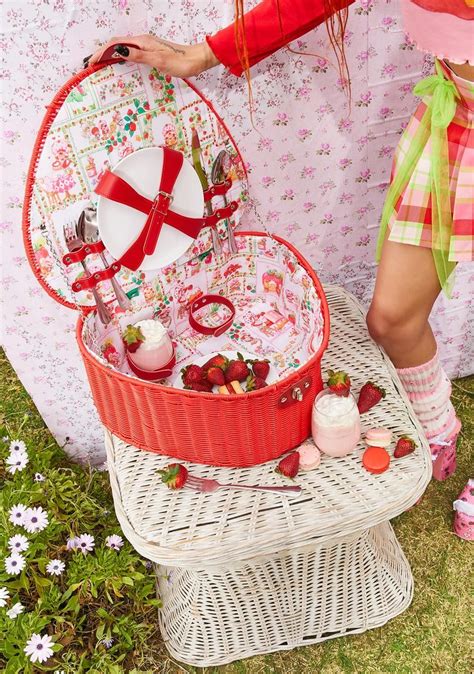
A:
[431,636]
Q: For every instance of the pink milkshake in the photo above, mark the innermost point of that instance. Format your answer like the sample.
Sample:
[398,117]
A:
[335,423]
[155,348]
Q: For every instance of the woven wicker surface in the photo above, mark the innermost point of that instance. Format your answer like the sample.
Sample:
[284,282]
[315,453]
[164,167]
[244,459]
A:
[294,598]
[188,529]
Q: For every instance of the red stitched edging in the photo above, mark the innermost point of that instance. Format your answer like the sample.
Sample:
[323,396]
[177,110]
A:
[52,110]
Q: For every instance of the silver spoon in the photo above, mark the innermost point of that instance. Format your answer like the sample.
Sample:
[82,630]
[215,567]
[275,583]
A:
[217,177]
[88,232]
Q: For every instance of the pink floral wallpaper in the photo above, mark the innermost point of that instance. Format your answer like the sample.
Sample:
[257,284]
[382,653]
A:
[317,169]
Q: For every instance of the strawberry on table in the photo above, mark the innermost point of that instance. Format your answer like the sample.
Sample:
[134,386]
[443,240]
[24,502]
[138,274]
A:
[237,370]
[132,338]
[289,465]
[405,445]
[339,383]
[370,394]
[174,476]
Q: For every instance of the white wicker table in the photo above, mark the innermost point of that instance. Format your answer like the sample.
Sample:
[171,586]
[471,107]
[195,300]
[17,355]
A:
[245,573]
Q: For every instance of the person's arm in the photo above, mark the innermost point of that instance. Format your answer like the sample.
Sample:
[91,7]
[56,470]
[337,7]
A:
[268,27]
[265,32]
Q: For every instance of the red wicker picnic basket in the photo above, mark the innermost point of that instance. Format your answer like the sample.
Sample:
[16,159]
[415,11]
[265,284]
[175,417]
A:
[98,117]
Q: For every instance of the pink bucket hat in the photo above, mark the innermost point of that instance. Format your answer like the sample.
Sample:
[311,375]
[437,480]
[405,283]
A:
[444,28]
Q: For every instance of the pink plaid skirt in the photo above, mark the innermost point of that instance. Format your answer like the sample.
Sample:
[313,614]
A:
[411,220]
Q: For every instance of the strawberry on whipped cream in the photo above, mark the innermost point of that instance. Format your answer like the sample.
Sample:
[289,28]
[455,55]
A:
[155,348]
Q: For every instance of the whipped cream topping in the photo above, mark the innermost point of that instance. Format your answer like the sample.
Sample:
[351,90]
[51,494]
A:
[334,410]
[154,332]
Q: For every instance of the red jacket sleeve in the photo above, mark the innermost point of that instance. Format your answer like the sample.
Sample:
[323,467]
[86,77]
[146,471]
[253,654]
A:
[266,32]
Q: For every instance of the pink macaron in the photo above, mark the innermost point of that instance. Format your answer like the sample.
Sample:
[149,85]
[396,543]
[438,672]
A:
[378,437]
[310,456]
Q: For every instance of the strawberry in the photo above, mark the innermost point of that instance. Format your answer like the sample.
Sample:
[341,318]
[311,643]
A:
[192,374]
[215,375]
[132,338]
[339,383]
[203,386]
[216,361]
[370,394]
[289,466]
[254,383]
[174,476]
[405,445]
[237,370]
[260,368]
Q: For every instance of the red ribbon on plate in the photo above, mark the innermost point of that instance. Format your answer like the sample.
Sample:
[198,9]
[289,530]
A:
[158,211]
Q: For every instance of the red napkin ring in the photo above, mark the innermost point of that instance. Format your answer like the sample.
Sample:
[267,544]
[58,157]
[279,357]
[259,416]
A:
[203,301]
[153,375]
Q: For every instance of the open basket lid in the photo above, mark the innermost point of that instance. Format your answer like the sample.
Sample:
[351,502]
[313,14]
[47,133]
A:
[98,122]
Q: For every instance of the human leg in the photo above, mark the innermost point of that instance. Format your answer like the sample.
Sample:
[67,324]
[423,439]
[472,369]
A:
[406,289]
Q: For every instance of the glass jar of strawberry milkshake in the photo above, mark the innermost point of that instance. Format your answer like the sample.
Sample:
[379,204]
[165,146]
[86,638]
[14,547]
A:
[155,348]
[335,423]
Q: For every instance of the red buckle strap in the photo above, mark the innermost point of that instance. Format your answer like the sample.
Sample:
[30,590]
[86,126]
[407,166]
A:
[115,188]
[203,301]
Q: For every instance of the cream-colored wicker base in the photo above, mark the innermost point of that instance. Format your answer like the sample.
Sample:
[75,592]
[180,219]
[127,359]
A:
[298,597]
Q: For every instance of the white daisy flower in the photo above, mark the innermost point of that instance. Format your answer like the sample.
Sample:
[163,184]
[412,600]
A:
[39,477]
[17,447]
[5,438]
[16,462]
[14,564]
[15,610]
[38,648]
[18,543]
[55,567]
[85,543]
[17,514]
[4,594]
[35,519]
[71,543]
[115,542]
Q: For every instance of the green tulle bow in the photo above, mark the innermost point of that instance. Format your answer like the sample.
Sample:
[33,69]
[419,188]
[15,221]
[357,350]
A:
[434,123]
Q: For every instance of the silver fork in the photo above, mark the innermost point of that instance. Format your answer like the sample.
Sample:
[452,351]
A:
[73,242]
[207,485]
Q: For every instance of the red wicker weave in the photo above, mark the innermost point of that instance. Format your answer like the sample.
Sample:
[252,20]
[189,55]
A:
[234,430]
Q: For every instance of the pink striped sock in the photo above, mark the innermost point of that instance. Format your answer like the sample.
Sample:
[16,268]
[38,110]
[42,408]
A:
[429,390]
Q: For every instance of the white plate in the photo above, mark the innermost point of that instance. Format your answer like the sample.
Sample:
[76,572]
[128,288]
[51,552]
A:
[120,225]
[231,355]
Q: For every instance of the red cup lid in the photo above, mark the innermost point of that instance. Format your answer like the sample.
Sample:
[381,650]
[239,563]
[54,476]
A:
[376,460]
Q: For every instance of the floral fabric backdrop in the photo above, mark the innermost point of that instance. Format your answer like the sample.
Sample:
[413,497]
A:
[317,170]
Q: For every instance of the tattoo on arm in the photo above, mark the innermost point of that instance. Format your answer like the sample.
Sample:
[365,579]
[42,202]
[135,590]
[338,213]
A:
[170,46]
